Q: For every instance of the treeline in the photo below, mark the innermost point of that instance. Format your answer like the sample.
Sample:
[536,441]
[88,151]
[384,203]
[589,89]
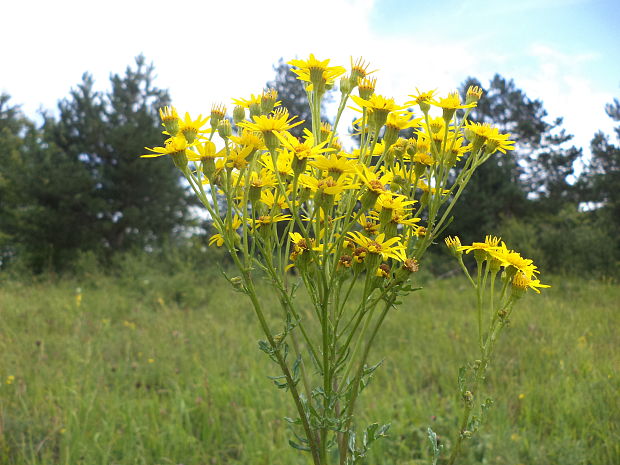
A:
[73,183]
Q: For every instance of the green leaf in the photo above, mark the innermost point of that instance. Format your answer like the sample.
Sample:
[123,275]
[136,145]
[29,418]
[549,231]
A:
[298,446]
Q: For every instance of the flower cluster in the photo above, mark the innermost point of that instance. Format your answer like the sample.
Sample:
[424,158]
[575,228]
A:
[341,220]
[369,209]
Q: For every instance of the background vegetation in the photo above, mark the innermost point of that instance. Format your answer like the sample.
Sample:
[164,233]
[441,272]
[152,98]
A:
[159,365]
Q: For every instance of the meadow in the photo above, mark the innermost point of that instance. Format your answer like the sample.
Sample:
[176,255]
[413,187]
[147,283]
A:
[159,365]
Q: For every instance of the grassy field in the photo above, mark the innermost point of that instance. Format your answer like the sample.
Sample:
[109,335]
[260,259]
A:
[163,368]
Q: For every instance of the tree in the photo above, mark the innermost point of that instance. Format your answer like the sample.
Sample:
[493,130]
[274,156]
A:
[77,182]
[46,206]
[533,177]
[600,181]
[138,203]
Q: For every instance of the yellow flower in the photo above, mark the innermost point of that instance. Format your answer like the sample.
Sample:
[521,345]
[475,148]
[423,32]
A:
[391,248]
[206,151]
[269,198]
[266,220]
[300,244]
[369,225]
[316,72]
[490,242]
[401,120]
[378,108]
[327,185]
[524,282]
[264,178]
[510,258]
[305,149]
[283,164]
[334,164]
[374,181]
[423,99]
[238,158]
[452,102]
[278,121]
[218,239]
[249,138]
[391,201]
[192,129]
[10,379]
[175,146]
[169,120]
[359,70]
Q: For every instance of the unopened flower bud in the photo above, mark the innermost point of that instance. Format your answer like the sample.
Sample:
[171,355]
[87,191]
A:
[238,114]
[224,129]
[268,101]
[218,112]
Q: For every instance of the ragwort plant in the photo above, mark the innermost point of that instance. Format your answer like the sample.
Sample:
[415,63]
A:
[350,228]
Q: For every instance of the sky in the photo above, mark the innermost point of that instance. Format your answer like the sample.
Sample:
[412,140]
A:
[564,52]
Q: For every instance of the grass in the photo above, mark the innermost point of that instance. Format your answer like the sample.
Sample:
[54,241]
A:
[161,367]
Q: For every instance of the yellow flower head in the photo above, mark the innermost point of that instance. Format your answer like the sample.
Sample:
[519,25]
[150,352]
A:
[334,164]
[452,102]
[278,121]
[524,282]
[206,151]
[249,138]
[175,146]
[302,149]
[423,99]
[282,165]
[170,120]
[327,185]
[374,181]
[192,129]
[359,70]
[316,72]
[390,248]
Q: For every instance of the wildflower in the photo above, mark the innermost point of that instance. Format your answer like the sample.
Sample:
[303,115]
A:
[454,246]
[334,165]
[378,107]
[316,72]
[218,113]
[423,99]
[176,147]
[390,248]
[383,271]
[170,120]
[359,71]
[283,165]
[450,104]
[265,220]
[474,93]
[328,185]
[369,225]
[300,245]
[218,239]
[278,121]
[523,282]
[366,87]
[10,379]
[192,129]
[303,149]
[238,158]
[272,198]
[249,138]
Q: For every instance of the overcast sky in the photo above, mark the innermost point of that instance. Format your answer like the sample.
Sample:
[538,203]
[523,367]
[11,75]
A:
[565,52]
